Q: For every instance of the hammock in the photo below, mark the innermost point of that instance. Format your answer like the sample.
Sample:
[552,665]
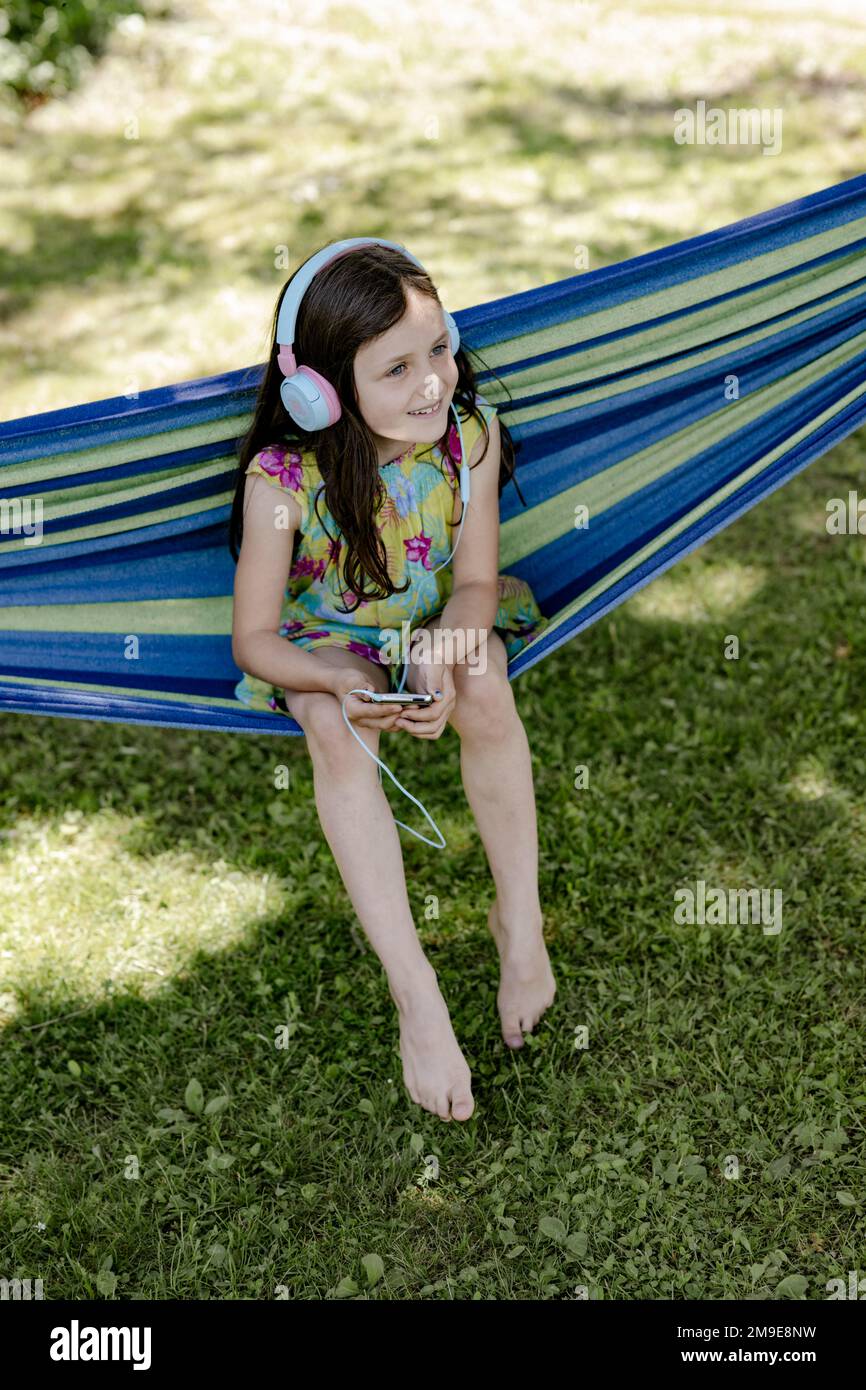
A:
[621,392]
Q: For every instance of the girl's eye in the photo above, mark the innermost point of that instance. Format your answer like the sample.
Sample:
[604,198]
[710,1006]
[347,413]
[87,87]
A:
[440,347]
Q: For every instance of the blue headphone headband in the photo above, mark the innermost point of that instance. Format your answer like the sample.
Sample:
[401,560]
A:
[288,315]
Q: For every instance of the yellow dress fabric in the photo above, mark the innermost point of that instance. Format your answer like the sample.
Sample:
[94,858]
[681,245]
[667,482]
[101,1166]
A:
[413,522]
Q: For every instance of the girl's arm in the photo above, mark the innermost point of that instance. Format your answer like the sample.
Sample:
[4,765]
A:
[260,582]
[475,568]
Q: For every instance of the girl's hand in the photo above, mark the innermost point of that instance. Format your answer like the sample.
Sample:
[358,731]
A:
[360,711]
[429,721]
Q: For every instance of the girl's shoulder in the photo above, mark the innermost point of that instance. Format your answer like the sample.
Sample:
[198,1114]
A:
[284,464]
[470,427]
[484,405]
[283,456]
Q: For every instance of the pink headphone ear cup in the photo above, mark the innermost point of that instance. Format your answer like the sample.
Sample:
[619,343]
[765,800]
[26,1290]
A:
[329,395]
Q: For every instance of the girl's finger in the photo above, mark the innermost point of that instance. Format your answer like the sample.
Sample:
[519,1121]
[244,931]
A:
[422,714]
[428,730]
[375,717]
[383,725]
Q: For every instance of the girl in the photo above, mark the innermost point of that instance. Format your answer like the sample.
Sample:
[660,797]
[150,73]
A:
[371,503]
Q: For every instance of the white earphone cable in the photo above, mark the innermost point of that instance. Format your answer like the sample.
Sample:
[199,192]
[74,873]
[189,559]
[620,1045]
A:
[417,833]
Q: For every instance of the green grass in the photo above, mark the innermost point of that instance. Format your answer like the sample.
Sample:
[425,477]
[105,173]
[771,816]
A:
[164,908]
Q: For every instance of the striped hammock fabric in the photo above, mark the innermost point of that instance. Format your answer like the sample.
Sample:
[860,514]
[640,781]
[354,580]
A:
[665,395]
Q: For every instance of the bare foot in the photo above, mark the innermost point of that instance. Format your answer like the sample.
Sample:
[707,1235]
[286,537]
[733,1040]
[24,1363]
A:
[436,1073]
[526,983]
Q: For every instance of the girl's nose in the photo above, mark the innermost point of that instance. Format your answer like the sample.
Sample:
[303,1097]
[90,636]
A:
[432,389]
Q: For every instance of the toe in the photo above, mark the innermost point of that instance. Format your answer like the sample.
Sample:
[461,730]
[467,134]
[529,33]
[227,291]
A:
[511,1026]
[462,1106]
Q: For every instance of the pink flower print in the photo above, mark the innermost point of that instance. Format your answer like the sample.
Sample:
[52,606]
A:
[334,548]
[273,461]
[418,548]
[454,444]
[452,455]
[305,564]
[293,626]
[322,633]
[364,649]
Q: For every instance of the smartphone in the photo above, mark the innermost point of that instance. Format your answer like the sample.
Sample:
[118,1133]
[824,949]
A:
[402,699]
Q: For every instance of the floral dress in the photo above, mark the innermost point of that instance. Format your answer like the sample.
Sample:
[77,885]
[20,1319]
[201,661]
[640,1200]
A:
[413,522]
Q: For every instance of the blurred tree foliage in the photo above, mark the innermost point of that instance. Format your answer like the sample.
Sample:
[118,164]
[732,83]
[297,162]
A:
[45,48]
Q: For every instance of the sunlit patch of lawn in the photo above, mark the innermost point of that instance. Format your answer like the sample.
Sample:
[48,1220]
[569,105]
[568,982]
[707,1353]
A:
[85,917]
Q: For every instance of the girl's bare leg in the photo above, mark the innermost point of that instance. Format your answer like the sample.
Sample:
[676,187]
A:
[359,826]
[496,767]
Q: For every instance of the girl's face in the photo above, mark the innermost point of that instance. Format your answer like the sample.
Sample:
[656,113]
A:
[408,369]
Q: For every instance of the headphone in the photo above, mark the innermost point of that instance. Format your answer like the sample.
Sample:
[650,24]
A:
[311,402]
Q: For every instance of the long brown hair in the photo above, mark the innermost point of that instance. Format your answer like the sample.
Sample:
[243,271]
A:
[349,302]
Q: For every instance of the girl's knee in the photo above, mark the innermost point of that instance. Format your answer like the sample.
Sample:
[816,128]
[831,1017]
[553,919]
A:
[330,743]
[485,702]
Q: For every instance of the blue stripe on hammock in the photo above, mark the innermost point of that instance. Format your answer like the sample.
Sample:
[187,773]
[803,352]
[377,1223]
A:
[165,530]
[569,453]
[584,557]
[135,468]
[845,315]
[116,419]
[202,490]
[166,662]
[625,331]
[849,419]
[85,704]
[163,572]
